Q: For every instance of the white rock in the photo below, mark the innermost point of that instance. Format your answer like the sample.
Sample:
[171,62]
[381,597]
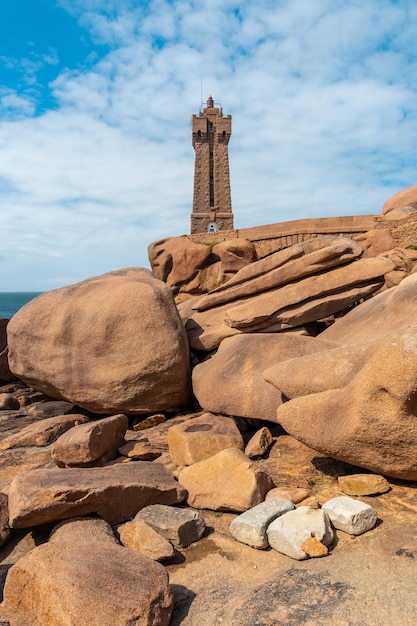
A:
[351,516]
[288,532]
[250,527]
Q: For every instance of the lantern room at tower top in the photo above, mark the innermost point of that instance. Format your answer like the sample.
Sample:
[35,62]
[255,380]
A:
[212,204]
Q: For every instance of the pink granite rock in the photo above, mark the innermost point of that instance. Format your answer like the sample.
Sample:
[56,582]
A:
[404,198]
[43,432]
[371,421]
[228,481]
[201,438]
[82,445]
[83,576]
[112,344]
[116,493]
[231,381]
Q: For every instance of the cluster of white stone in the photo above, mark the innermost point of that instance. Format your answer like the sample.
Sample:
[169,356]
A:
[301,532]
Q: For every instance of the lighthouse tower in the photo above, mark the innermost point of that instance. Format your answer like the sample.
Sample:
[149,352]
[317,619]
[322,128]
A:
[212,203]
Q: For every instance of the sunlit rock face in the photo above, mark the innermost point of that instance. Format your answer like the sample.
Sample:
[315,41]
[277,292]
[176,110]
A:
[111,344]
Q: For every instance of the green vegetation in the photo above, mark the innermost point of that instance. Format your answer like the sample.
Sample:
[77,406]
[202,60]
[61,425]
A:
[210,244]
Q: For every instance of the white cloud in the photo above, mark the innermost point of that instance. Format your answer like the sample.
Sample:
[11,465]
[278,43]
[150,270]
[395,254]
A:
[324,109]
[14,105]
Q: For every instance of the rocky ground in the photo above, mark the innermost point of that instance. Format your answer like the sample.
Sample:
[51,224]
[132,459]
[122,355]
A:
[365,580]
[142,413]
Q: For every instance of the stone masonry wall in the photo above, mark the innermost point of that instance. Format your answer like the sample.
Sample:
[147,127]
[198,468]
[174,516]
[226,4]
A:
[273,237]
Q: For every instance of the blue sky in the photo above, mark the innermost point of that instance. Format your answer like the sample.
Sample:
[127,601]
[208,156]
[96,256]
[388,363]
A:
[96,96]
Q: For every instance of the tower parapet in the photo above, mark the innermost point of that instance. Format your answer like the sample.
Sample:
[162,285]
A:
[212,203]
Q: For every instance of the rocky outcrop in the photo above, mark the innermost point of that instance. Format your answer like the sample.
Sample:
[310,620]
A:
[289,466]
[281,268]
[177,262]
[115,493]
[115,344]
[83,576]
[205,329]
[191,268]
[235,372]
[110,344]
[403,265]
[313,298]
[375,242]
[289,289]
[332,367]
[370,421]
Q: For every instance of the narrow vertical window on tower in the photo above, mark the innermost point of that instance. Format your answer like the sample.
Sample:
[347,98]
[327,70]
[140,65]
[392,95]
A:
[211,176]
[212,204]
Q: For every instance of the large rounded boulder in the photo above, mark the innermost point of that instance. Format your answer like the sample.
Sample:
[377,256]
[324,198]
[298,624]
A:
[112,343]
[404,199]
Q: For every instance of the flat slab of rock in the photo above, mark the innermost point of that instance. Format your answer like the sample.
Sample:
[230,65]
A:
[285,297]
[227,481]
[352,516]
[148,422]
[363,484]
[287,533]
[201,438]
[179,526]
[114,493]
[83,576]
[291,264]
[277,304]
[138,535]
[86,443]
[51,408]
[44,432]
[250,527]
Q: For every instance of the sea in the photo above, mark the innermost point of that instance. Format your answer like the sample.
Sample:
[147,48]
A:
[11,302]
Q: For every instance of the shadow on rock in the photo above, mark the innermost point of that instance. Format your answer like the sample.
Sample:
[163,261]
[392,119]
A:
[298,597]
[183,598]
